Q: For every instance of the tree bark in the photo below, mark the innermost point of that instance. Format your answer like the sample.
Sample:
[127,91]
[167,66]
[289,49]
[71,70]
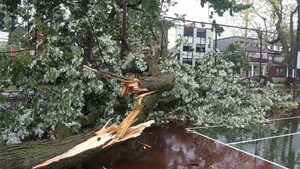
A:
[67,153]
[288,49]
[25,155]
[298,33]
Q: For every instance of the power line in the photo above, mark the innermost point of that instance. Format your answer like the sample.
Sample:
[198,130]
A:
[224,25]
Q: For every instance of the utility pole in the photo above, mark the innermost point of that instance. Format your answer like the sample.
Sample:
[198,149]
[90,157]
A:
[246,34]
[216,42]
[259,33]
[296,53]
[123,33]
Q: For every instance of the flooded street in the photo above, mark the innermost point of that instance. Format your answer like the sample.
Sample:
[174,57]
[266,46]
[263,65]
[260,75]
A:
[171,147]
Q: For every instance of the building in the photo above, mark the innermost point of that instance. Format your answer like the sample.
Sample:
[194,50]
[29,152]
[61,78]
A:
[195,42]
[3,36]
[271,60]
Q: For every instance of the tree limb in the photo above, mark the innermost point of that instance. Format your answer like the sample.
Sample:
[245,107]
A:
[102,139]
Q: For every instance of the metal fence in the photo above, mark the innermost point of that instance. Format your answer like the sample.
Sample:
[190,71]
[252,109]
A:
[13,98]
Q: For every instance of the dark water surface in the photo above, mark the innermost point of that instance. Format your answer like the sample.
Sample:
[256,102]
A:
[172,147]
[271,129]
[277,141]
[283,150]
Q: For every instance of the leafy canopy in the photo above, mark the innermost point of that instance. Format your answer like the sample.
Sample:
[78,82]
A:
[237,57]
[55,90]
[220,7]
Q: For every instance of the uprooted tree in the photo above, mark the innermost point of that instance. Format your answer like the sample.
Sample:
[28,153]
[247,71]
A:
[59,98]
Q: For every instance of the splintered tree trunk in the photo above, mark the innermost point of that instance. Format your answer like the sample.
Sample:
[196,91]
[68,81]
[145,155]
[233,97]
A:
[56,154]
[25,155]
[67,153]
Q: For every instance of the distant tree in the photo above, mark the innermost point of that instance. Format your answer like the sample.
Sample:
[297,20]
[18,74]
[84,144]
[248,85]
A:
[283,14]
[11,20]
[220,7]
[298,31]
[237,57]
[278,17]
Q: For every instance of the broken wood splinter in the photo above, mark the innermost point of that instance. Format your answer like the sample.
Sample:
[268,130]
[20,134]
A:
[107,140]
[144,144]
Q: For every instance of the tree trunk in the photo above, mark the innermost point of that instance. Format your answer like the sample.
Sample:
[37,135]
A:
[25,155]
[298,34]
[288,49]
[67,153]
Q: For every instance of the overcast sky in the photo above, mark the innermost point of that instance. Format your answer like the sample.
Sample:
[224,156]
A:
[192,9]
[195,12]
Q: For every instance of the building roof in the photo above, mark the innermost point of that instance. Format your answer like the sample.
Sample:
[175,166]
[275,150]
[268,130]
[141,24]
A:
[257,49]
[276,52]
[191,25]
[237,37]
[223,43]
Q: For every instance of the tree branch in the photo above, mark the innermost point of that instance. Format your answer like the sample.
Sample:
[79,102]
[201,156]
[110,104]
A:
[293,39]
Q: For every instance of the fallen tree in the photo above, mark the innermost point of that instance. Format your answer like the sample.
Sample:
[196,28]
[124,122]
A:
[76,149]
[93,146]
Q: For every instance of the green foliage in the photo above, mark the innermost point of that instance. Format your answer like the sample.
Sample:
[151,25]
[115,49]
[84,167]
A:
[238,58]
[61,86]
[54,88]
[225,5]
[207,95]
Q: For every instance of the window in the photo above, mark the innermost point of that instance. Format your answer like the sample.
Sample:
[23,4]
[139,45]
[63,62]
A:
[278,59]
[200,47]
[200,40]
[178,55]
[201,32]
[280,71]
[187,61]
[187,58]
[209,43]
[188,39]
[187,48]
[188,31]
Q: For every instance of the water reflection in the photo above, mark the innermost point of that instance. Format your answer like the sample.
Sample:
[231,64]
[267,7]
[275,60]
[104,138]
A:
[230,135]
[283,150]
[275,141]
[174,148]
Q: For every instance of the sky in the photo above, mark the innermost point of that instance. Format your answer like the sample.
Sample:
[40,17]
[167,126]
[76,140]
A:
[192,9]
[195,12]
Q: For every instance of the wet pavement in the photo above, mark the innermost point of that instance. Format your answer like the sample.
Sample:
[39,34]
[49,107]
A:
[172,147]
[287,126]
[277,141]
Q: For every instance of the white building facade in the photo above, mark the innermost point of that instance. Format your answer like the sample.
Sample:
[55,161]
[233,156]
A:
[195,43]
